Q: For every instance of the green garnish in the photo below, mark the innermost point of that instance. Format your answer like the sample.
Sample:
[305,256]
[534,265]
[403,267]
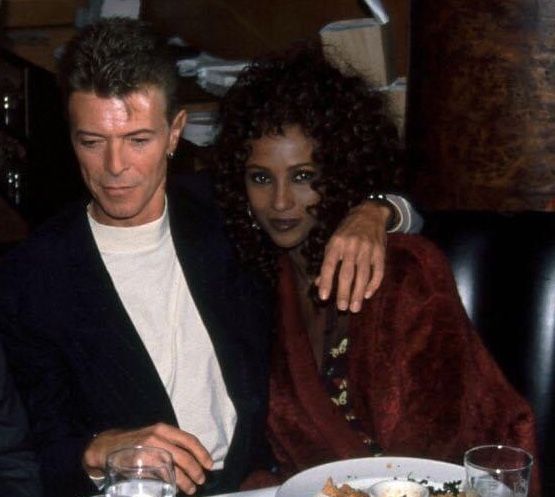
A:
[449,487]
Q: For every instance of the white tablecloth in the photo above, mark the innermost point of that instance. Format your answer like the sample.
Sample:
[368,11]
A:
[261,492]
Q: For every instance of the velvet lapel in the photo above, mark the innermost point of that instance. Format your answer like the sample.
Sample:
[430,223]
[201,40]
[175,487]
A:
[130,386]
[301,372]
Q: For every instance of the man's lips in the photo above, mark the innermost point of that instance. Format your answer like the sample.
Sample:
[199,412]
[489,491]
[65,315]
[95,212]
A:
[117,189]
[284,224]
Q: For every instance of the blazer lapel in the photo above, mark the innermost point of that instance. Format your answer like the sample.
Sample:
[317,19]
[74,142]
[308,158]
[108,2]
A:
[220,291]
[207,273]
[128,379]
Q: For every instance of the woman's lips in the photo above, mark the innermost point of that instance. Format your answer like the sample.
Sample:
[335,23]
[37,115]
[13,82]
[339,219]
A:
[284,224]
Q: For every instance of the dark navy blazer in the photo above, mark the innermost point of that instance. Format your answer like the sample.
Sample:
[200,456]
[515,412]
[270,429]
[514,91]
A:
[80,364]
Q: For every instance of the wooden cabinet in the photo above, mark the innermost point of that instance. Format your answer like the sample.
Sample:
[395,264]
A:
[25,13]
[481,114]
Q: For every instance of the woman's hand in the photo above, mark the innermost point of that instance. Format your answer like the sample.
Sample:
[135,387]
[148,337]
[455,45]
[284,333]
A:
[356,253]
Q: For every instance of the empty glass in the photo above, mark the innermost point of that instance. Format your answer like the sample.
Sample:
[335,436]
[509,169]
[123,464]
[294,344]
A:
[497,471]
[140,472]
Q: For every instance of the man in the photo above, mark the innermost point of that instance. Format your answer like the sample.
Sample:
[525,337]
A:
[128,320]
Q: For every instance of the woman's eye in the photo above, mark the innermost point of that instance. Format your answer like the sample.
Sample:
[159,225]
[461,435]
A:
[304,176]
[259,178]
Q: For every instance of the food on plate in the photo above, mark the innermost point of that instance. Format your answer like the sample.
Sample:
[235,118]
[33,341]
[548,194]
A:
[331,490]
[449,489]
[398,488]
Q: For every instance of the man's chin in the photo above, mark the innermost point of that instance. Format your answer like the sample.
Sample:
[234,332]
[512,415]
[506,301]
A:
[115,215]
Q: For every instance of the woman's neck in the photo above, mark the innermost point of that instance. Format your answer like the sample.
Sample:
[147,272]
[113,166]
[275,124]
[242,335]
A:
[314,317]
[324,326]
[300,265]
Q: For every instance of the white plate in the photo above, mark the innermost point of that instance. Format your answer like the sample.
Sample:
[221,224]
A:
[362,473]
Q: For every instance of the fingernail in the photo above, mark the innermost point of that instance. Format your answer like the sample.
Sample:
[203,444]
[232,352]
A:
[324,294]
[191,490]
[342,305]
[355,306]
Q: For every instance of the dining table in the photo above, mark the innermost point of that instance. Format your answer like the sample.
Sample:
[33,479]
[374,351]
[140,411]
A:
[361,474]
[260,492]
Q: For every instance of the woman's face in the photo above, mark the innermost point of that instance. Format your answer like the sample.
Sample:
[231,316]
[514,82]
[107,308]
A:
[278,175]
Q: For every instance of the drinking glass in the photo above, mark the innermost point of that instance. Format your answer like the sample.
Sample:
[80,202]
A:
[140,471]
[497,471]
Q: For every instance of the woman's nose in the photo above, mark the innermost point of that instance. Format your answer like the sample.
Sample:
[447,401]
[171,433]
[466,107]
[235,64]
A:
[283,198]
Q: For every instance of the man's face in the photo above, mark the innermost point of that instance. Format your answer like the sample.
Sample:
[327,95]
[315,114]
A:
[122,145]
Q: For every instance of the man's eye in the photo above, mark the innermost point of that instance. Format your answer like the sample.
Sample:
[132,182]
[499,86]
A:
[139,141]
[260,178]
[304,176]
[89,143]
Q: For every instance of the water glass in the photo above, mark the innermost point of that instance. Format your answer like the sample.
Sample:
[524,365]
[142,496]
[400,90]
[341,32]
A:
[140,471]
[497,471]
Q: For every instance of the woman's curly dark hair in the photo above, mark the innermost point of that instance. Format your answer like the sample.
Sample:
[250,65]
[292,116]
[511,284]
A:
[357,144]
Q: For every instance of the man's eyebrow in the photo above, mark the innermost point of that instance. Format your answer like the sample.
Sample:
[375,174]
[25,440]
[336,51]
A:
[140,132]
[100,135]
[88,133]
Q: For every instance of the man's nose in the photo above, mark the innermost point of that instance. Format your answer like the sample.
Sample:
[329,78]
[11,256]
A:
[283,197]
[114,160]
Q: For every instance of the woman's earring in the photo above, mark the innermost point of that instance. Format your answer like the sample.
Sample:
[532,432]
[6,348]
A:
[170,155]
[254,222]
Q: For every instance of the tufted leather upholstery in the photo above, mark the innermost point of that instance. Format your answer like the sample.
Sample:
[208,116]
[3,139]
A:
[504,265]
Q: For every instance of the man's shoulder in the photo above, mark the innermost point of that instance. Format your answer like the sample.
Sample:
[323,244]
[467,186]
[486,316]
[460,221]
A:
[193,207]
[195,186]
[46,243]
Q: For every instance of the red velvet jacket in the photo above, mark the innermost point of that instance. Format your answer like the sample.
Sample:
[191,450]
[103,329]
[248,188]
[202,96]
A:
[419,376]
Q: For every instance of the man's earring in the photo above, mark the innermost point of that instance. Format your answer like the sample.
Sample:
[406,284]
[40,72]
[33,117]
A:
[254,222]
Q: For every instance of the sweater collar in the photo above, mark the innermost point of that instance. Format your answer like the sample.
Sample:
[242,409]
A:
[132,238]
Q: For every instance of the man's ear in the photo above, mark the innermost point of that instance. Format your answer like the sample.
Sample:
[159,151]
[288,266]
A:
[176,128]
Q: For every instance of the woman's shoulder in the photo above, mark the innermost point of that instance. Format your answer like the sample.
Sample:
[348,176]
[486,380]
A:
[413,246]
[416,257]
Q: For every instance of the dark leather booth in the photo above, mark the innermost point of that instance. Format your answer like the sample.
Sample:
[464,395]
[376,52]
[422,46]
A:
[504,265]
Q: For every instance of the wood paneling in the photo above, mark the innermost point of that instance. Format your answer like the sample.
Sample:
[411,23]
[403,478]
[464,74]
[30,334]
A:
[32,13]
[481,125]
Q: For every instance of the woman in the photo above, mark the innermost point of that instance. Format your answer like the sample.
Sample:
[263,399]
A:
[300,144]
